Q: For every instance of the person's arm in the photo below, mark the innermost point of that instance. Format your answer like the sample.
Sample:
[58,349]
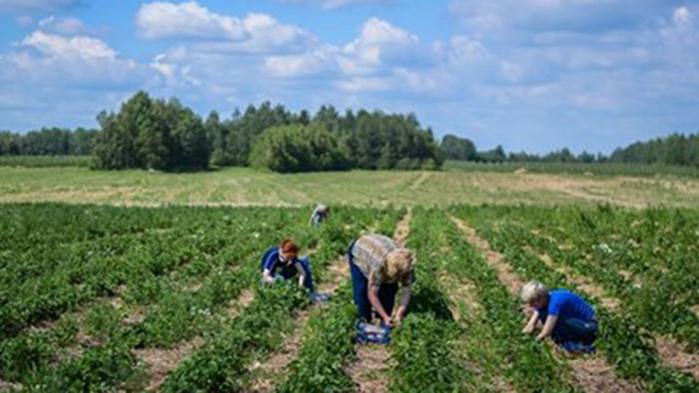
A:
[313,215]
[302,273]
[373,295]
[404,301]
[267,268]
[549,325]
[267,276]
[529,328]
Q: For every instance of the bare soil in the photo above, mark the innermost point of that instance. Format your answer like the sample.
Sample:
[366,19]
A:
[400,235]
[595,375]
[369,370]
[673,354]
[513,282]
[160,361]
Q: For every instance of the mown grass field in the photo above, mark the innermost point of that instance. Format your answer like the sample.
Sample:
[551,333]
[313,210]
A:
[244,187]
[136,281]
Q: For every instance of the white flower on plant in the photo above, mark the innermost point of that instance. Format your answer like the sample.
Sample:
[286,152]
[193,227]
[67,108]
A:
[604,247]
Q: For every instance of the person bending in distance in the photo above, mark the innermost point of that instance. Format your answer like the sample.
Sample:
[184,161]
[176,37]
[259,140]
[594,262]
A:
[320,214]
[379,267]
[282,263]
[567,318]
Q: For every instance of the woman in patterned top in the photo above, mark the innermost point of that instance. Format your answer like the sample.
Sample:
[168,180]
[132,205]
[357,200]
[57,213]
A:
[379,266]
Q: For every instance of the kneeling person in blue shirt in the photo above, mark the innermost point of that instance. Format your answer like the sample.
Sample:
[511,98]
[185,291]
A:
[283,263]
[566,317]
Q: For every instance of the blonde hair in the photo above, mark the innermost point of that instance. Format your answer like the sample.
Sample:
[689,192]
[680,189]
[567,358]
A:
[533,290]
[399,263]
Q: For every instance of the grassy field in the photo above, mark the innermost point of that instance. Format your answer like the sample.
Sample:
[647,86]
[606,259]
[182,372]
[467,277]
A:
[244,187]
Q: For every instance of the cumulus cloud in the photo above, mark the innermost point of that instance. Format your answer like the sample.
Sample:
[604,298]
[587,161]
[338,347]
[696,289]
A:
[256,32]
[378,41]
[170,20]
[60,60]
[317,60]
[64,26]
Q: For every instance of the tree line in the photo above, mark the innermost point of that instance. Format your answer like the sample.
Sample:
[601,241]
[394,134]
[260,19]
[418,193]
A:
[159,134]
[165,135]
[674,149]
[48,141]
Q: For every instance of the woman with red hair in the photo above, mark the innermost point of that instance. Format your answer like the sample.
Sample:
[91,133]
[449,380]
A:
[283,262]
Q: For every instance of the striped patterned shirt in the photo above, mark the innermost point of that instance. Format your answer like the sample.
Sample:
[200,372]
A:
[369,254]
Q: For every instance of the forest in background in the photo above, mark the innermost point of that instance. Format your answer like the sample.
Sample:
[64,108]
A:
[152,133]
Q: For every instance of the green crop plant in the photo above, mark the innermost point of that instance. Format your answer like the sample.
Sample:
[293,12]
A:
[621,341]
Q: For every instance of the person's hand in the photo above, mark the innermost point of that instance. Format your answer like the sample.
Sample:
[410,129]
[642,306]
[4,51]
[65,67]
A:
[528,330]
[388,321]
[267,279]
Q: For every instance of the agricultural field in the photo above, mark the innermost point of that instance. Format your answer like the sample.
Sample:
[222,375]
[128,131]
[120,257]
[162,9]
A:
[116,298]
[453,185]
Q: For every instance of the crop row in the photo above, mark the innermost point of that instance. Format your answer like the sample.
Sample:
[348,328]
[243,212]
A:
[175,315]
[222,362]
[604,243]
[174,312]
[621,341]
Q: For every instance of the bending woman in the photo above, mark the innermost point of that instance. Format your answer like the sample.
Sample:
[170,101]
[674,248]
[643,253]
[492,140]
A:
[379,267]
[283,262]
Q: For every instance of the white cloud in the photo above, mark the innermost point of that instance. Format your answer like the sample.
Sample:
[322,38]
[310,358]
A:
[78,47]
[169,20]
[311,62]
[682,16]
[465,51]
[64,26]
[60,60]
[256,32]
[364,84]
[378,41]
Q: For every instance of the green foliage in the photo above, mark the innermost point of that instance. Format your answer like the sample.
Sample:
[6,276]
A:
[151,134]
[219,365]
[422,347]
[297,148]
[625,334]
[326,347]
[99,369]
[48,141]
[455,148]
[45,161]
[674,149]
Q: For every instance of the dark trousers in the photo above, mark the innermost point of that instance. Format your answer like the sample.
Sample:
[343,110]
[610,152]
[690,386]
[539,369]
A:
[575,330]
[387,292]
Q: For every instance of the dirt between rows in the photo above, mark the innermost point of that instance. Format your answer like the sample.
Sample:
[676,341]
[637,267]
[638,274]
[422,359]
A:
[591,373]
[160,360]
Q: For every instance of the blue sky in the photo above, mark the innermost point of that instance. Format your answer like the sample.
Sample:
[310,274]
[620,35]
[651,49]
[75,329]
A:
[533,75]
